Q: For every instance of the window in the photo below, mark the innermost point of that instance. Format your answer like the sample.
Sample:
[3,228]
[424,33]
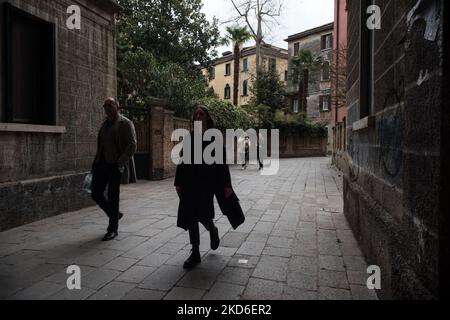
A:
[324,102]
[296,48]
[327,42]
[227,94]
[30,78]
[295,106]
[245,64]
[212,73]
[272,64]
[286,75]
[326,71]
[245,88]
[228,69]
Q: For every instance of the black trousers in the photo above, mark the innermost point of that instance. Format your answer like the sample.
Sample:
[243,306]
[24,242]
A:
[194,232]
[104,174]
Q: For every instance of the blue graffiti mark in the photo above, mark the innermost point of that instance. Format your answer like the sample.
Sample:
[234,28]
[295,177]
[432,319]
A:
[391,132]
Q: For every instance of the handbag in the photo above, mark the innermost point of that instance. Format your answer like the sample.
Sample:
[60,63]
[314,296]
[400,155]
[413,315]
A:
[231,208]
[87,184]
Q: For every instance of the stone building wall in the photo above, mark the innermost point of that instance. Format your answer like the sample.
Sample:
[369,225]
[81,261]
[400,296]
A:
[392,189]
[42,168]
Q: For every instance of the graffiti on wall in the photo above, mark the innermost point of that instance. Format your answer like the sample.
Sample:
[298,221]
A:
[391,131]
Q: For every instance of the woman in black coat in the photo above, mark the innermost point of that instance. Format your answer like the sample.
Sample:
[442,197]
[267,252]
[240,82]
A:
[196,185]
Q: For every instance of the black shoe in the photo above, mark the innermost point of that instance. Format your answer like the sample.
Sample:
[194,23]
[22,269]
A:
[215,240]
[120,215]
[193,260]
[110,236]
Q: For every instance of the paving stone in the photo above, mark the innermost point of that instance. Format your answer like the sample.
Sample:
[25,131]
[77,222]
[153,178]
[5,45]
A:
[357,278]
[329,248]
[271,268]
[66,294]
[326,293]
[181,293]
[170,248]
[260,289]
[224,291]
[214,261]
[200,278]
[331,263]
[39,291]
[363,293]
[290,293]
[136,274]
[233,239]
[251,248]
[97,258]
[120,264]
[283,233]
[303,264]
[263,227]
[280,242]
[302,281]
[350,249]
[333,279]
[141,251]
[258,237]
[163,279]
[154,260]
[283,225]
[227,252]
[270,218]
[98,278]
[126,244]
[144,294]
[113,291]
[233,275]
[278,252]
[355,263]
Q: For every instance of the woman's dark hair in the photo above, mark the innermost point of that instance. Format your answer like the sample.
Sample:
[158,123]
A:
[210,122]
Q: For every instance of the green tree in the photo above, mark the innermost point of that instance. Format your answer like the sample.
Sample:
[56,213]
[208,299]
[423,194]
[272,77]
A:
[173,30]
[146,77]
[268,90]
[238,36]
[262,115]
[226,115]
[161,45]
[301,65]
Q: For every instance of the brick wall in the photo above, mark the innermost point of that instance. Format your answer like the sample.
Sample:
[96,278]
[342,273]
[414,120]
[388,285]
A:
[52,165]
[391,192]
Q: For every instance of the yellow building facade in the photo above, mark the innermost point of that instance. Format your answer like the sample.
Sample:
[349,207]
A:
[221,78]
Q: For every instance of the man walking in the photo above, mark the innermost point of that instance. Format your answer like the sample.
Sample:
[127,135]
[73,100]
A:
[113,163]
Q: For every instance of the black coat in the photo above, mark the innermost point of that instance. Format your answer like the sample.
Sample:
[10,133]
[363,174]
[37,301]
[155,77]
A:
[199,183]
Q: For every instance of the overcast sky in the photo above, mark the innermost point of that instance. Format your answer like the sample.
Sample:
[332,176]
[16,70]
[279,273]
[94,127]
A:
[297,16]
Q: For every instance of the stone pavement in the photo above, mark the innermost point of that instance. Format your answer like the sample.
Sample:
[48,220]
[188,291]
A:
[295,244]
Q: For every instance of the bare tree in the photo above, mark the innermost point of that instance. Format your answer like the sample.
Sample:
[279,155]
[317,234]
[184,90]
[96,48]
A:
[256,13]
[338,77]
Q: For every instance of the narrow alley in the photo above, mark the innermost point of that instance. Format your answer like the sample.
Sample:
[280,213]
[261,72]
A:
[295,244]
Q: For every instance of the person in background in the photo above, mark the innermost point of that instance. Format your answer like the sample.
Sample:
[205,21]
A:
[113,164]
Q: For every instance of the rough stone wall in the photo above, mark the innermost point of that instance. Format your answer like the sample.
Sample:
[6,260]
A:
[86,64]
[300,146]
[391,192]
